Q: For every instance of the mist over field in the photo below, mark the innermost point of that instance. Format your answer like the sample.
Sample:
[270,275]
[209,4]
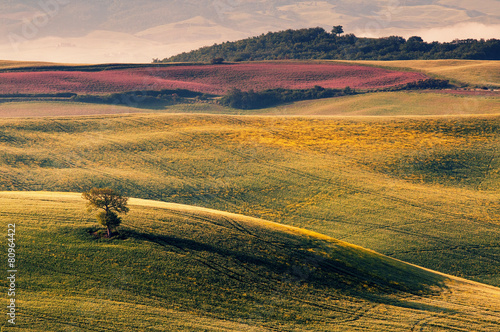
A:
[127,31]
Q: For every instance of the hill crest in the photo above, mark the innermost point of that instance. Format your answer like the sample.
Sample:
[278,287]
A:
[316,43]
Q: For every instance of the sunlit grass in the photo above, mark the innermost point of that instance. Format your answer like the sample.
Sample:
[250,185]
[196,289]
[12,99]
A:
[7,64]
[392,104]
[185,268]
[44,109]
[424,190]
[371,104]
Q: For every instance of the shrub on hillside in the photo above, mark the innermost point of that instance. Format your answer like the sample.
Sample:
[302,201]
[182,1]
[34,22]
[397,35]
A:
[236,98]
[217,61]
[430,83]
[141,98]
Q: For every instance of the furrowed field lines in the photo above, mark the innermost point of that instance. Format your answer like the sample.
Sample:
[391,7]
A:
[455,149]
[193,269]
[423,190]
[394,104]
[64,108]
[214,79]
[370,104]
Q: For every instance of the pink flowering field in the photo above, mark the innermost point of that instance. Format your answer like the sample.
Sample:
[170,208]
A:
[214,79]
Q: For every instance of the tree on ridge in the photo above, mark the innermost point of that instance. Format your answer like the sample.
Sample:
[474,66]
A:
[337,30]
[111,202]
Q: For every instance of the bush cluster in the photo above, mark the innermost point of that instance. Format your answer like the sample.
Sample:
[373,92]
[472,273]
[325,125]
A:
[236,98]
[431,83]
[141,98]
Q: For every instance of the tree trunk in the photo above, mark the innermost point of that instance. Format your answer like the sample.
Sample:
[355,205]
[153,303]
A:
[109,231]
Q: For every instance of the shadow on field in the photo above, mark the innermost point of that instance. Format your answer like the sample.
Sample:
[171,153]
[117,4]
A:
[353,274]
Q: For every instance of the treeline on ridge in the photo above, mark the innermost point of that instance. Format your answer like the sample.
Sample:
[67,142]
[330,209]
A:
[316,43]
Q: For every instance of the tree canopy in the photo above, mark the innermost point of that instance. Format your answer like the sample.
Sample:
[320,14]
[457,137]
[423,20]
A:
[337,30]
[111,202]
[316,43]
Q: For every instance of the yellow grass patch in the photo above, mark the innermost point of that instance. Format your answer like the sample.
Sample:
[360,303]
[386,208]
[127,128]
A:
[471,72]
[87,284]
[7,64]
[393,104]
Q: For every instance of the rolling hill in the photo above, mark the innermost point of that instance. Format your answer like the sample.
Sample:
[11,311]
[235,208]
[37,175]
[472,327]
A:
[372,104]
[131,88]
[420,189]
[318,43]
[408,103]
[474,73]
[184,268]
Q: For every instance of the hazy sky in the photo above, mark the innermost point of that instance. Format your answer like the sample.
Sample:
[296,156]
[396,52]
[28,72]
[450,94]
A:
[94,31]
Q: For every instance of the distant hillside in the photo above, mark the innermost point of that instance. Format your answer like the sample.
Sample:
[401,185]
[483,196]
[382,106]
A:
[316,43]
[474,73]
[210,79]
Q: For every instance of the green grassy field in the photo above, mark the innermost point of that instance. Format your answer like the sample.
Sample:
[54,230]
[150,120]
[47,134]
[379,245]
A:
[182,268]
[420,189]
[370,104]
[463,72]
[33,109]
[392,104]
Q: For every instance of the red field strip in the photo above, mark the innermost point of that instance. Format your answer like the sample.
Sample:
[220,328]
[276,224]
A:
[215,79]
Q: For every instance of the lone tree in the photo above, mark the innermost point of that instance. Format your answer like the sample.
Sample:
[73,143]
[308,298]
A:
[337,30]
[111,202]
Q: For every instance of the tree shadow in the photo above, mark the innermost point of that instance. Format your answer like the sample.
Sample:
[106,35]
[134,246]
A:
[299,266]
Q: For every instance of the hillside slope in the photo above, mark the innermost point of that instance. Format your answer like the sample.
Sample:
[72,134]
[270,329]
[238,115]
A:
[465,72]
[55,89]
[422,189]
[182,268]
[401,103]
[317,43]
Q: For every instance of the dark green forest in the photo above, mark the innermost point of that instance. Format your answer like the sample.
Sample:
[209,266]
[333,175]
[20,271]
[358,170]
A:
[316,43]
